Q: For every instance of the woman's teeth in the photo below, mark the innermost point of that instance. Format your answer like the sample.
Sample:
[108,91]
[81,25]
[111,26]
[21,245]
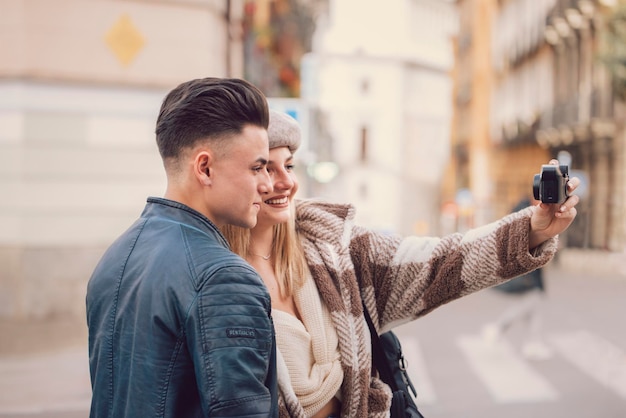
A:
[280,201]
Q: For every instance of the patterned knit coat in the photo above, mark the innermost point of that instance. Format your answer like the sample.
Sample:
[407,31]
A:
[399,279]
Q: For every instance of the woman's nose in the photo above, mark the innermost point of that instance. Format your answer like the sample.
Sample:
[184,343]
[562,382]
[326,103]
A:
[283,181]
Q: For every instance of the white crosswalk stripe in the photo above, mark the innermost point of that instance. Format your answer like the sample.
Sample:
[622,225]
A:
[507,377]
[596,357]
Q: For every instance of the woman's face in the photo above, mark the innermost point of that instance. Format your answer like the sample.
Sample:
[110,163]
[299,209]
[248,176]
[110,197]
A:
[275,206]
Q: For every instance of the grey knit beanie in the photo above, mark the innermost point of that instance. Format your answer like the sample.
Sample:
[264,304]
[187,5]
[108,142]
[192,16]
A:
[283,131]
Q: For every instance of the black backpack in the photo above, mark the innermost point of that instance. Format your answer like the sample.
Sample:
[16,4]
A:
[388,359]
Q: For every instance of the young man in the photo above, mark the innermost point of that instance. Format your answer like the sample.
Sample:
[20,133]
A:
[179,326]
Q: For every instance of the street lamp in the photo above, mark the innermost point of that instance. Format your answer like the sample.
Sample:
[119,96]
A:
[323,172]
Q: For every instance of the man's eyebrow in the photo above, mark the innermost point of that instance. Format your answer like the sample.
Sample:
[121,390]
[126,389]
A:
[261,160]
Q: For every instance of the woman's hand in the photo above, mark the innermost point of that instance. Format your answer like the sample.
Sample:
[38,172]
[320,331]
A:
[550,219]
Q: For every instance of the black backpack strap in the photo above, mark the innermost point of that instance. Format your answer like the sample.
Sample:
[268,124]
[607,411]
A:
[379,360]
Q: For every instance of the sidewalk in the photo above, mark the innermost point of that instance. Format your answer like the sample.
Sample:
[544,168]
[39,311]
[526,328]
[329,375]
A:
[44,367]
[594,262]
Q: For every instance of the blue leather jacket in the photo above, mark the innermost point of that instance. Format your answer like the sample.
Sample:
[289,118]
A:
[179,326]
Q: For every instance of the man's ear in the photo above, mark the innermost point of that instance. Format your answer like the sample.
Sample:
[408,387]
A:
[202,167]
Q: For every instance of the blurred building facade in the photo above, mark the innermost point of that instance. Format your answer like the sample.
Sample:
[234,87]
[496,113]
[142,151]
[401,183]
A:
[81,83]
[276,36]
[530,86]
[587,120]
[277,33]
[377,83]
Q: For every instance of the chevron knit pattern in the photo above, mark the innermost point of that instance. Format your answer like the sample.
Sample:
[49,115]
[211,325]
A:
[399,279]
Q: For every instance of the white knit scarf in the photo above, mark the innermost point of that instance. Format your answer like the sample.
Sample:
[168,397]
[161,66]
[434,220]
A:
[309,350]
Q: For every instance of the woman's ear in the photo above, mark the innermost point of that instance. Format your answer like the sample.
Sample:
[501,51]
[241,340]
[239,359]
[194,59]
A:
[202,167]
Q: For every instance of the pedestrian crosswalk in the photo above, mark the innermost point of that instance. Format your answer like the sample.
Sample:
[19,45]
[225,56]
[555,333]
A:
[511,378]
[506,375]
[596,357]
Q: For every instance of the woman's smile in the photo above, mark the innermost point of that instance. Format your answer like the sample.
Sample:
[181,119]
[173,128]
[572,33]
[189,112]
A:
[278,200]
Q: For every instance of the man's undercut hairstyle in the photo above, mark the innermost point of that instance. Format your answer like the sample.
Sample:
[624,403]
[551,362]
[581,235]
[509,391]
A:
[207,109]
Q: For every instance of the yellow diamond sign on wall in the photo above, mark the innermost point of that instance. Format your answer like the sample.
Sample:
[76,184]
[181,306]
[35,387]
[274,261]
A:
[125,40]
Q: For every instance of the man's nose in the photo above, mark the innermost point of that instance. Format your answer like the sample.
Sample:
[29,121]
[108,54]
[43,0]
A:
[266,185]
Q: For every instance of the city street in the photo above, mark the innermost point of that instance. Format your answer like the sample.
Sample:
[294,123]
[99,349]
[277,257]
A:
[458,374]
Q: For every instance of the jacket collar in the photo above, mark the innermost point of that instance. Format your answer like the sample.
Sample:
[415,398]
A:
[158,206]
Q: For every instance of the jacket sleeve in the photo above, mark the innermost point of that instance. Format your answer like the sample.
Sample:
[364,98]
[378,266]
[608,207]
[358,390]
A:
[404,278]
[231,340]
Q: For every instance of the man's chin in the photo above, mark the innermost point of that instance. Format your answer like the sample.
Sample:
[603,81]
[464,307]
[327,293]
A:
[244,223]
[251,223]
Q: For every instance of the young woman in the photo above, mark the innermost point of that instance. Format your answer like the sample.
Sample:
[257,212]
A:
[319,267]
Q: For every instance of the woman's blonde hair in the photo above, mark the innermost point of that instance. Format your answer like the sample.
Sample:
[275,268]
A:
[287,254]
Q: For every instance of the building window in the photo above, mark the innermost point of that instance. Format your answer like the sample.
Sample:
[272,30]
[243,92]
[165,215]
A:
[363,191]
[364,144]
[365,86]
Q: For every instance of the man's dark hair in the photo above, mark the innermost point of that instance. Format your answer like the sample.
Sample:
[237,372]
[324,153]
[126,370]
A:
[208,108]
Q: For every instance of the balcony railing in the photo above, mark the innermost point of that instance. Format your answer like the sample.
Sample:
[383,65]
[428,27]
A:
[602,104]
[567,112]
